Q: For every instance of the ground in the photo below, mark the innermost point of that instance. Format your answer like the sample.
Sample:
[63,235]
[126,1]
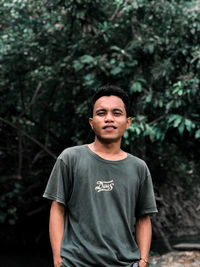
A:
[176,259]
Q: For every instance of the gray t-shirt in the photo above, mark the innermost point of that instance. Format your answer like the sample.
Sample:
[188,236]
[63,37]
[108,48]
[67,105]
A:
[102,199]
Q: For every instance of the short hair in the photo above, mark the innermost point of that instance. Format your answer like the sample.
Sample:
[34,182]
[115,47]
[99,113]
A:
[108,90]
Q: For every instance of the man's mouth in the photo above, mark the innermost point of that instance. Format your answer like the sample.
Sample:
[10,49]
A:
[109,127]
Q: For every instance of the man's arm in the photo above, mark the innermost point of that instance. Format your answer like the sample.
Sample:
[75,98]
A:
[143,238]
[56,230]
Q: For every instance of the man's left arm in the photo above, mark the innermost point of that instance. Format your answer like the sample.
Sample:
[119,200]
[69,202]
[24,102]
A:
[143,238]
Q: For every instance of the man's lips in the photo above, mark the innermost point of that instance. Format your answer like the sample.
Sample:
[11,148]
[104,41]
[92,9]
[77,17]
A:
[109,127]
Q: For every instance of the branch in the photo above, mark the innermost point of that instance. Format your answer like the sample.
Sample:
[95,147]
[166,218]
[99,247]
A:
[29,137]
[20,153]
[114,15]
[118,11]
[32,100]
[38,210]
[158,119]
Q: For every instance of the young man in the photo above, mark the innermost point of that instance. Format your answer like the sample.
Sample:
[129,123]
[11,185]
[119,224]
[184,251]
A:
[102,196]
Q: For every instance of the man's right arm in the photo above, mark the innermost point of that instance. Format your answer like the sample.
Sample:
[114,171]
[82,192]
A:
[56,230]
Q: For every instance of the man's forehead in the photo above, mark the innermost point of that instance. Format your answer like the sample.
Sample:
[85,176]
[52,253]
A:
[109,101]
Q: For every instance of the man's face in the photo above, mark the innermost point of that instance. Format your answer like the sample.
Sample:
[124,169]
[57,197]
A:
[109,120]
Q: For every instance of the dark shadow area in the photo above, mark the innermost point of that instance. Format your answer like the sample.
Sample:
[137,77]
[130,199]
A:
[26,257]
[26,243]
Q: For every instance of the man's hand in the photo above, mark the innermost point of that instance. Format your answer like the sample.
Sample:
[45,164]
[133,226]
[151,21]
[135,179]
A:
[143,263]
[57,262]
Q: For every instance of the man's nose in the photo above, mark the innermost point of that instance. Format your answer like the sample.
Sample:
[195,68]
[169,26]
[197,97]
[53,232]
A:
[109,117]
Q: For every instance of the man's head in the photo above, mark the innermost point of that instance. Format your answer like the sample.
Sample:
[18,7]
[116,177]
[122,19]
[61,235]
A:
[109,119]
[109,90]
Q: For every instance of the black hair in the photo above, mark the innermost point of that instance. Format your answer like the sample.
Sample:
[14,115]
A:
[108,90]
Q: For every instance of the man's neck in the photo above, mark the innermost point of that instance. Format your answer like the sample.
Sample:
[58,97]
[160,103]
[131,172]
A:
[109,151]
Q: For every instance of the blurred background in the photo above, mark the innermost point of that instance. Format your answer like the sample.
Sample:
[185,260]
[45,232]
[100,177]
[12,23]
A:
[53,56]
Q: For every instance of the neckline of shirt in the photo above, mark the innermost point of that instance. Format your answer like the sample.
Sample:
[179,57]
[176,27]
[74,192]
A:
[93,154]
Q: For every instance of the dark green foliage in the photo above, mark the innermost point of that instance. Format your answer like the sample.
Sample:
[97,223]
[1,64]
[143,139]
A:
[54,54]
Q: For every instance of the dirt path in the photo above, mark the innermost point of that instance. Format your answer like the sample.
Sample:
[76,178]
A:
[177,259]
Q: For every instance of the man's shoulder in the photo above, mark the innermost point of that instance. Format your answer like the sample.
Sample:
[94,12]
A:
[136,160]
[73,151]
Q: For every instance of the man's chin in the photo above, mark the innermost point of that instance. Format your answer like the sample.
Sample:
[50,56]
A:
[108,140]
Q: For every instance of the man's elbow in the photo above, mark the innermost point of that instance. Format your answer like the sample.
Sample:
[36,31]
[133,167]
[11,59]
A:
[145,218]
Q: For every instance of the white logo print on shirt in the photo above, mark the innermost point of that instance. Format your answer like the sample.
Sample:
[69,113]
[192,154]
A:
[104,186]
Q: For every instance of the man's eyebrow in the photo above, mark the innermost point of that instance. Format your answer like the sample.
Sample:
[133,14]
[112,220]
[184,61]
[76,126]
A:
[114,110]
[117,109]
[100,109]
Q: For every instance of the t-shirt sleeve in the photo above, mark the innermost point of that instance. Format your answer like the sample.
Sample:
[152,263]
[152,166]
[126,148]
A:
[146,203]
[58,186]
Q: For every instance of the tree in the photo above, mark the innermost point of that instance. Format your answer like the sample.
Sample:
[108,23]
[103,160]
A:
[54,54]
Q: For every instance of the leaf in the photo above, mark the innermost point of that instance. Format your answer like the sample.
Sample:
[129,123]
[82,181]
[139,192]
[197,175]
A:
[177,122]
[89,79]
[180,92]
[87,59]
[136,87]
[160,103]
[150,132]
[150,47]
[77,65]
[138,131]
[148,98]
[181,128]
[127,142]
[197,134]
[189,125]
[112,61]
[173,117]
[169,105]
[116,71]
[142,80]
[115,48]
[133,63]
[126,134]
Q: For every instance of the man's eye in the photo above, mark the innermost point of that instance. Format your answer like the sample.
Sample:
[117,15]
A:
[100,113]
[117,113]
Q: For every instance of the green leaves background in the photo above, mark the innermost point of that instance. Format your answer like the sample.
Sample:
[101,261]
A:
[53,56]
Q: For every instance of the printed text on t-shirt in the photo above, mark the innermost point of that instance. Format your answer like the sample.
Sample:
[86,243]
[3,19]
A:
[104,186]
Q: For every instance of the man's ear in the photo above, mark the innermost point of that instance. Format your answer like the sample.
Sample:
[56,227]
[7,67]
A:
[128,122]
[91,122]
